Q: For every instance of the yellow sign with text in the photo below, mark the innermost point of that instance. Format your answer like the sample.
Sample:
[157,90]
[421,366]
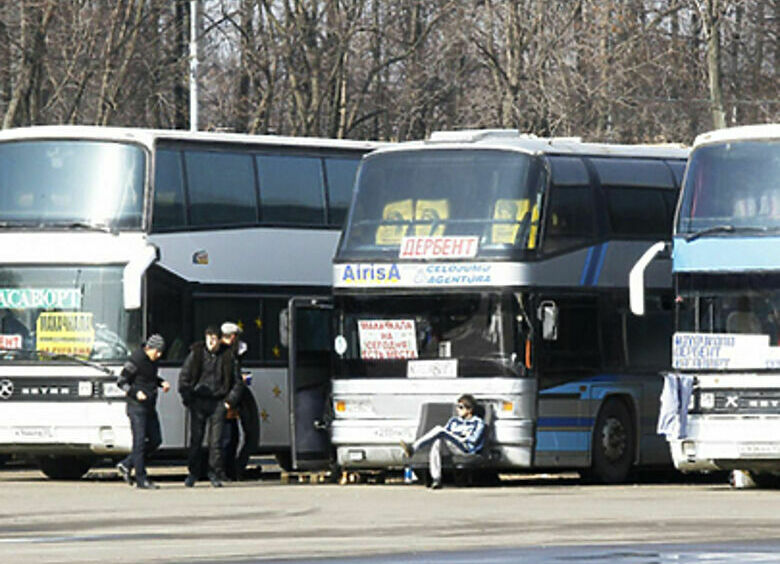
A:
[65,333]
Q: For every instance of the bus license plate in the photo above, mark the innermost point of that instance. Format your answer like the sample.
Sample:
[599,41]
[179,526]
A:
[33,433]
[759,450]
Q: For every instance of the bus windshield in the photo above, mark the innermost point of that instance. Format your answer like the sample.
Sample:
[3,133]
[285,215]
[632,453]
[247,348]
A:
[492,195]
[732,187]
[78,311]
[473,334]
[71,183]
[730,303]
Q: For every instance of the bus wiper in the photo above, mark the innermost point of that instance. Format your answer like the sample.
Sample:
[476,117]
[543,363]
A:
[726,229]
[77,360]
[19,224]
[102,227]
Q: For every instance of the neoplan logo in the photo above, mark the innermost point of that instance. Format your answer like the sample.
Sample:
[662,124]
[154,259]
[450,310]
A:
[6,389]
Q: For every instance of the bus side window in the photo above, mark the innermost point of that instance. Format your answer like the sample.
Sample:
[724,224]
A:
[168,212]
[221,188]
[292,190]
[166,310]
[397,214]
[577,345]
[246,312]
[340,173]
[570,218]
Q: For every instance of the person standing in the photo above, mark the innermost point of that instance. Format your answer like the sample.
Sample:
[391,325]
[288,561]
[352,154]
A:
[246,412]
[208,388]
[464,433]
[140,381]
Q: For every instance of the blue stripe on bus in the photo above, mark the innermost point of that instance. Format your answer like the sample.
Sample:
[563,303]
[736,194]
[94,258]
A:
[602,256]
[565,422]
[586,267]
[594,262]
[562,441]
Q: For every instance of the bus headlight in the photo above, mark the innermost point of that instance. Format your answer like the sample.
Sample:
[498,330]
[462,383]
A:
[353,407]
[707,400]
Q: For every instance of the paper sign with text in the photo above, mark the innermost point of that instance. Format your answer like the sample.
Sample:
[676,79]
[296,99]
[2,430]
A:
[387,339]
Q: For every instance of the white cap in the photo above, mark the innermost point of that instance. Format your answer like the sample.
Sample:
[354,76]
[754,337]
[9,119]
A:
[230,328]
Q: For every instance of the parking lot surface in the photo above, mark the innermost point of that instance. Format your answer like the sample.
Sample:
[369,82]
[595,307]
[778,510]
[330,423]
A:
[101,519]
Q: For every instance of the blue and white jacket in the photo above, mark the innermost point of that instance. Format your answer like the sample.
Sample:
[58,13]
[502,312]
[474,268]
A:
[470,431]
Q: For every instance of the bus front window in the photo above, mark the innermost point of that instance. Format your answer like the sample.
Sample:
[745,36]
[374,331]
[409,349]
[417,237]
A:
[732,186]
[491,196]
[378,336]
[78,311]
[71,183]
[746,304]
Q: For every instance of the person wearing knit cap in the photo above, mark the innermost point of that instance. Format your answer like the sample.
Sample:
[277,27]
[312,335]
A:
[140,381]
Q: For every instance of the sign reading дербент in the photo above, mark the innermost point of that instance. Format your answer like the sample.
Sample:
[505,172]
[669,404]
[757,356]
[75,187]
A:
[723,351]
[40,298]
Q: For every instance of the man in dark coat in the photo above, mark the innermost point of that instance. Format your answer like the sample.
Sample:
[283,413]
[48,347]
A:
[140,381]
[208,387]
[246,412]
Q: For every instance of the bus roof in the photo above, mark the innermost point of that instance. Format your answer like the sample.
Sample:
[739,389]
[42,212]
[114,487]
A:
[743,133]
[149,136]
[513,140]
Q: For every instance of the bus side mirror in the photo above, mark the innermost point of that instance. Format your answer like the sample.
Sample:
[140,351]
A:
[636,278]
[284,328]
[548,315]
[133,275]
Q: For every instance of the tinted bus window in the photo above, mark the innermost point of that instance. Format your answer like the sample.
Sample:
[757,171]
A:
[275,330]
[291,190]
[570,218]
[221,188]
[568,171]
[634,172]
[678,169]
[341,179]
[169,211]
[246,312]
[635,212]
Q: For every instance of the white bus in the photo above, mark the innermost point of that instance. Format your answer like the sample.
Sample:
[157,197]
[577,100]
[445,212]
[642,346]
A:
[109,234]
[496,264]
[726,266]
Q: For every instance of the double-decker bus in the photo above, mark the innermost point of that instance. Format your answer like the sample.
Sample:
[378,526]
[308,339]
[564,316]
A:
[496,264]
[724,411]
[109,234]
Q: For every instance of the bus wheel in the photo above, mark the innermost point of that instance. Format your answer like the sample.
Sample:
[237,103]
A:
[64,467]
[613,444]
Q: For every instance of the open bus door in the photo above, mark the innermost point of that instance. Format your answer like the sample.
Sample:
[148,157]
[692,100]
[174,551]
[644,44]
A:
[309,381]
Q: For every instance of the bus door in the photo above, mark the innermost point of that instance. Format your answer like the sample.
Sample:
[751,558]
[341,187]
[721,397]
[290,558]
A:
[567,361]
[309,381]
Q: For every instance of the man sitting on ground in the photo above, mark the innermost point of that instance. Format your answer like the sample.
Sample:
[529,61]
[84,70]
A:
[463,433]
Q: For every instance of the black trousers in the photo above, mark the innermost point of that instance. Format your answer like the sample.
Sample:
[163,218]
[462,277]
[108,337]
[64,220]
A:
[231,436]
[147,437]
[207,418]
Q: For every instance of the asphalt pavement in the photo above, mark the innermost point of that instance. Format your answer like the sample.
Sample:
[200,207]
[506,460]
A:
[524,519]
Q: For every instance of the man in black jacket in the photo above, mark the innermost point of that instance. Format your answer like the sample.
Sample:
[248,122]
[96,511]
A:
[246,412]
[139,381]
[208,387]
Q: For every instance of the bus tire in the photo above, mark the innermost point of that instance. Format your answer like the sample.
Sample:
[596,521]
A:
[64,467]
[614,444]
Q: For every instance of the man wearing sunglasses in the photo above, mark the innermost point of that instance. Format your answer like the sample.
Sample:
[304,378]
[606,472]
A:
[464,433]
